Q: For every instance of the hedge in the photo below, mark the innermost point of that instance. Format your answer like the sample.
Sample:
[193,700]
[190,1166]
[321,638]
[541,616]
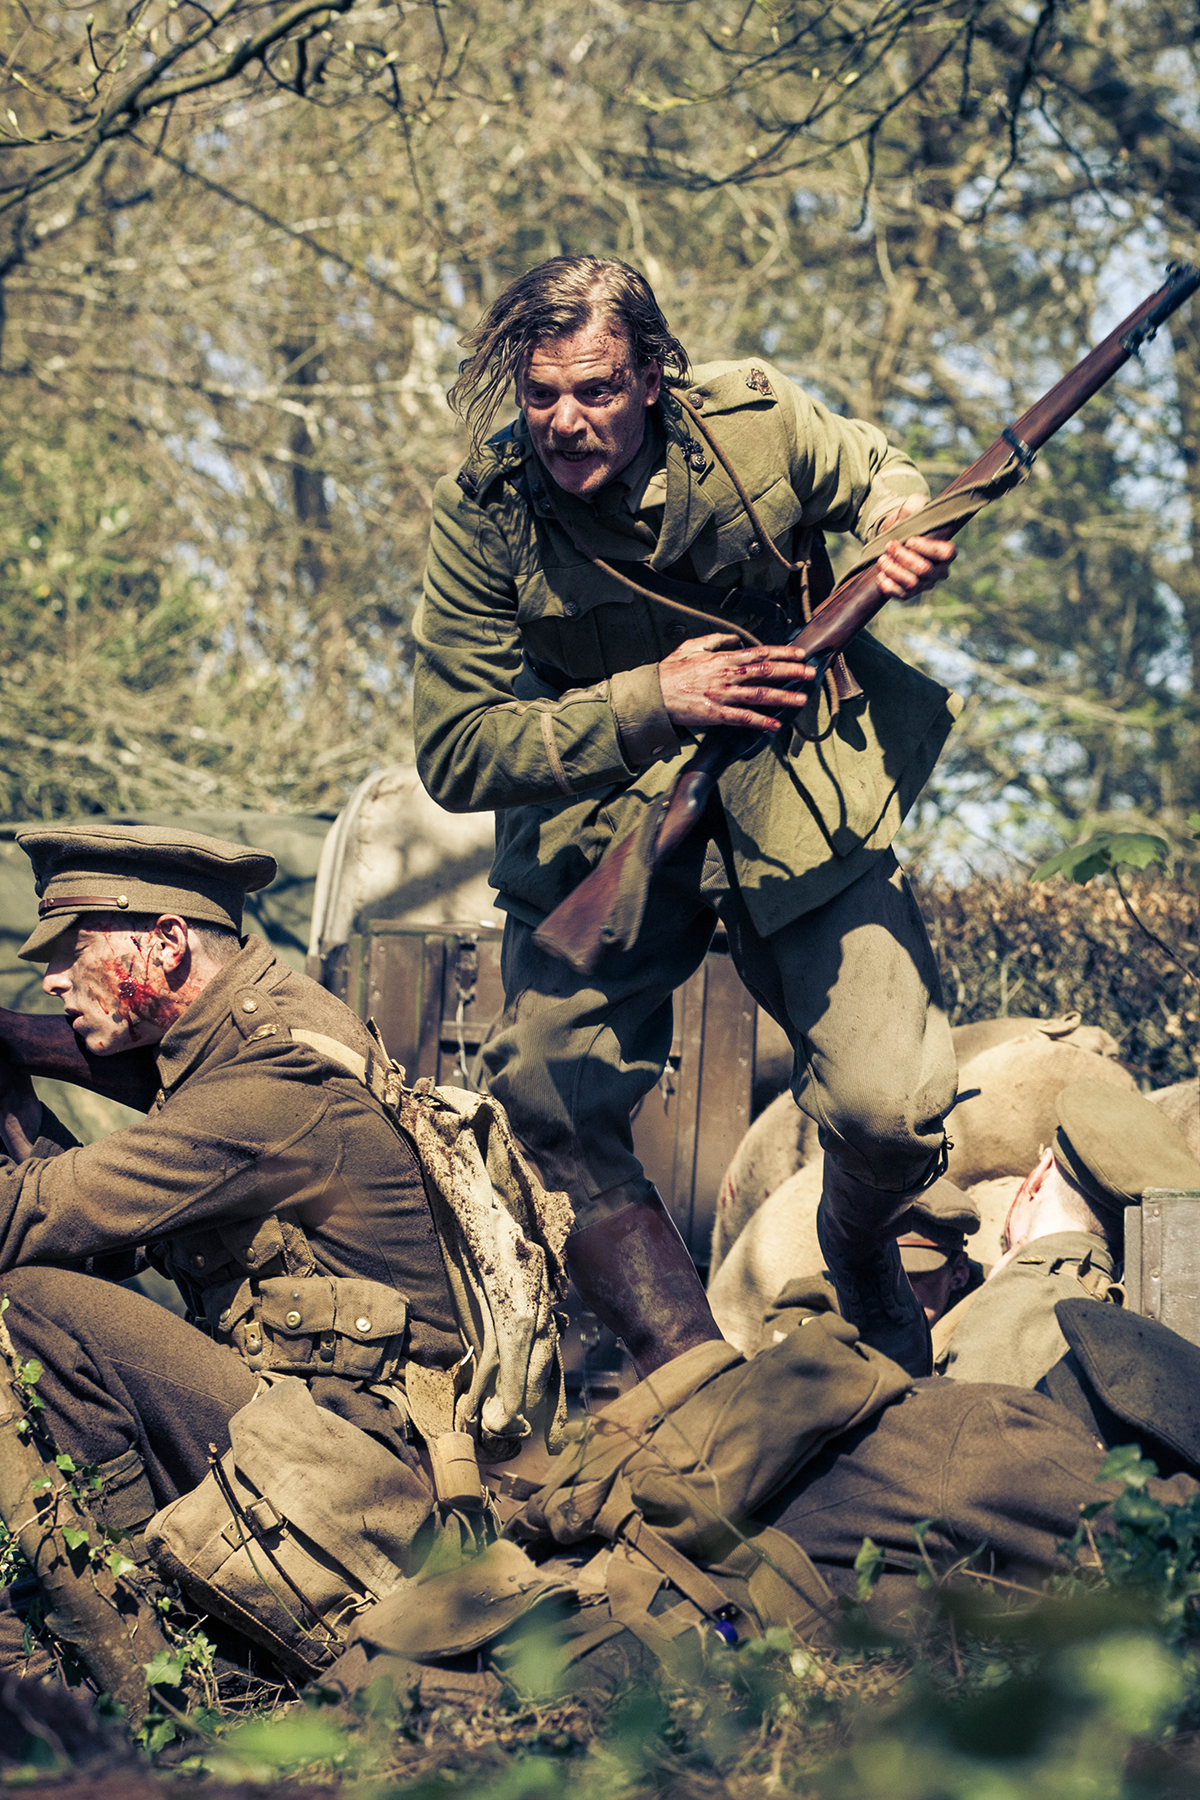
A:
[1045,948]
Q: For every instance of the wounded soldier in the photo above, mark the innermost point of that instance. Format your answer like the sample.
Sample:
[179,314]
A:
[326,1366]
[267,1181]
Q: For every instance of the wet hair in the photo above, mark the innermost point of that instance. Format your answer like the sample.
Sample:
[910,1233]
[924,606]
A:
[554,300]
[218,942]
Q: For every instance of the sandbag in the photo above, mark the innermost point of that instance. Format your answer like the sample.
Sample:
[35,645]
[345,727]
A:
[984,1034]
[1006,1115]
[779,1246]
[779,1242]
[781,1140]
[1181,1104]
[305,1523]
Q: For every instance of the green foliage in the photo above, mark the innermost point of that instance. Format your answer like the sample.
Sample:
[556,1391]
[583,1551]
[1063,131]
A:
[1104,852]
[1011,947]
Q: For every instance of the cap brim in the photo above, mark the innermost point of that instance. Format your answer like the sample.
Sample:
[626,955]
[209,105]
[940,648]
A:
[922,1259]
[45,934]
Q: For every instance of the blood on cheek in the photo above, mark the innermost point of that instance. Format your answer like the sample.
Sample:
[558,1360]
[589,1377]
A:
[138,993]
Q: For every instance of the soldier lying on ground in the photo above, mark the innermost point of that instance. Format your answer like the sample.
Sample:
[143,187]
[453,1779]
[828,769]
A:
[630,1549]
[268,1181]
[1064,1234]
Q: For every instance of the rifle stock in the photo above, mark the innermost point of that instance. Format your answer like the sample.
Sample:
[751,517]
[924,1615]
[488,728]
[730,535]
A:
[581,926]
[41,1044]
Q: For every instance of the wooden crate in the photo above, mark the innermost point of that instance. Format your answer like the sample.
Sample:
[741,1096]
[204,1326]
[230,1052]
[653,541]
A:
[1162,1259]
[411,979]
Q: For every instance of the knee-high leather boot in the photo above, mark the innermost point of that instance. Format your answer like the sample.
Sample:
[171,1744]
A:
[633,1270]
[857,1227]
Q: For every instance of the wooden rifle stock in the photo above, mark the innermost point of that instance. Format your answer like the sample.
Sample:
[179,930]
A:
[41,1044]
[581,926]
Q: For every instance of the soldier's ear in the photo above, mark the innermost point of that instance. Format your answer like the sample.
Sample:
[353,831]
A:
[652,376]
[172,933]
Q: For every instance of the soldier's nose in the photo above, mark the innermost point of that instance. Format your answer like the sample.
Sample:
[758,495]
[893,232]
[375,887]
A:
[567,420]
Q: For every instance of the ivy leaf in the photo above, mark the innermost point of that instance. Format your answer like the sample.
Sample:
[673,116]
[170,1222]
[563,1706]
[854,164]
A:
[868,1566]
[120,1565]
[1106,851]
[167,1669]
[65,1463]
[75,1536]
[1193,824]
[1126,1463]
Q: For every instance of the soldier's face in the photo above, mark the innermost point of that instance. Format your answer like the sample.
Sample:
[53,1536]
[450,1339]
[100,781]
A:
[585,405]
[113,986]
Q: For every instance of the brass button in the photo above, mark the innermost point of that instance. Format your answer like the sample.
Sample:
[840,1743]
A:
[754,548]
[696,399]
[250,1005]
[254,1345]
[570,608]
[363,1324]
[292,1319]
[224,1319]
[122,899]
[251,1254]
[197,1260]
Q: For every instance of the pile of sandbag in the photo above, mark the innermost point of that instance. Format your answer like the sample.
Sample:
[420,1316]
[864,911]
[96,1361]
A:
[1010,1073]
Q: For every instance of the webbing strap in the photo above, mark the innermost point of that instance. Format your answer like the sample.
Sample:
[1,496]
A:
[698,1587]
[948,509]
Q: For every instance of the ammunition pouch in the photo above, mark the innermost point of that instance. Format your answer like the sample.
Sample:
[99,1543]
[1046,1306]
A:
[305,1523]
[312,1325]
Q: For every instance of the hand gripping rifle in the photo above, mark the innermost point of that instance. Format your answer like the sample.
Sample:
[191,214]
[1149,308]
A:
[607,906]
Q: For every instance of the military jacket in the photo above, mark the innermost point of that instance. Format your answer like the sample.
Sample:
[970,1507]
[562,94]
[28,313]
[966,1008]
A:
[1007,1328]
[262,1169]
[537,689]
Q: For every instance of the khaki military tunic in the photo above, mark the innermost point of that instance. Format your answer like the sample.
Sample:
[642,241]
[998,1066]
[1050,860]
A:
[1006,1330]
[258,1158]
[537,689]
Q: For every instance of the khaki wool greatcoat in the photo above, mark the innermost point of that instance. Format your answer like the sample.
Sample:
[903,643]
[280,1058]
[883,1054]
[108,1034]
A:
[537,689]
[260,1160]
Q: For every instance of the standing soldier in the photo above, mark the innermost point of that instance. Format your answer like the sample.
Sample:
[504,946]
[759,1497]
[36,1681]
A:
[609,575]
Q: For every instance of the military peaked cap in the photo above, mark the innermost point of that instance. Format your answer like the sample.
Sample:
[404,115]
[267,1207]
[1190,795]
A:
[1126,1377]
[938,1226]
[136,869]
[1114,1145]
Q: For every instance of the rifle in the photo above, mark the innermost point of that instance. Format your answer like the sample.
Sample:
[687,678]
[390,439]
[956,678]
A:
[41,1044]
[582,925]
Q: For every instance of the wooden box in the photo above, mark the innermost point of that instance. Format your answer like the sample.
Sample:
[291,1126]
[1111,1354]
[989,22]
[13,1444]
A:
[435,993]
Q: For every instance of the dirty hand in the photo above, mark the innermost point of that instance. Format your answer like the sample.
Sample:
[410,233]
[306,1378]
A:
[916,564]
[20,1111]
[717,680]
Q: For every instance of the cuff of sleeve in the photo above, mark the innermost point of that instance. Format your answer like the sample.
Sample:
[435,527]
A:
[643,725]
[885,500]
[53,1136]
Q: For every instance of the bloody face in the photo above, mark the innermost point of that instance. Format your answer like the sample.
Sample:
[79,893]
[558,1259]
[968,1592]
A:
[585,405]
[114,987]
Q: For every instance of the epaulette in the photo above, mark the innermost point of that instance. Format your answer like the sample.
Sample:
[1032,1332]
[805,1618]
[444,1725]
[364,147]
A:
[484,467]
[728,387]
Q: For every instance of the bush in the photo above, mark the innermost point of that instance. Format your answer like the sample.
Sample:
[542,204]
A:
[1008,947]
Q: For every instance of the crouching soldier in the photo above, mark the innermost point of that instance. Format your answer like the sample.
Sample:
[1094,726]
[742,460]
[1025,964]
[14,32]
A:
[272,1180]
